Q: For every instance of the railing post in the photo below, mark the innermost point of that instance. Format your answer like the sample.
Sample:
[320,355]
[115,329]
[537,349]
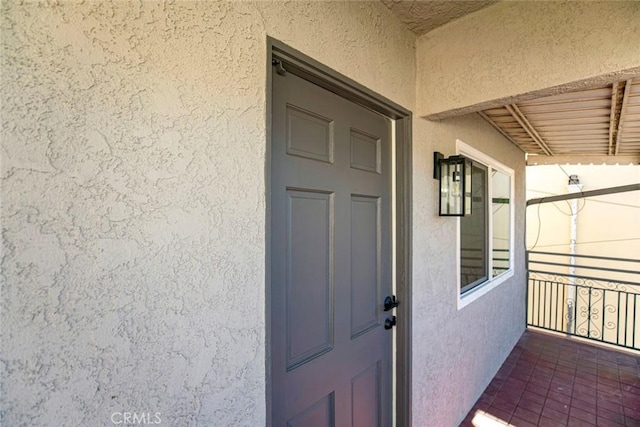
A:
[570,315]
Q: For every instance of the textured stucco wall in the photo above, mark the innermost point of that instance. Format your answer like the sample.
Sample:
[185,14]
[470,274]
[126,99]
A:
[517,48]
[457,352]
[133,210]
[133,198]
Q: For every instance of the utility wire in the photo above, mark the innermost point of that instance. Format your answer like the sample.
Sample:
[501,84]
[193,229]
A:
[564,171]
[614,203]
[584,203]
[591,199]
[539,228]
[569,176]
[540,219]
[535,244]
[584,200]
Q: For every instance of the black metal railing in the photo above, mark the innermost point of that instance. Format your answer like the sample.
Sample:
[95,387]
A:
[588,296]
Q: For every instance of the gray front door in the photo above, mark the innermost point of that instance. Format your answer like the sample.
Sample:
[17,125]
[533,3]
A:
[330,259]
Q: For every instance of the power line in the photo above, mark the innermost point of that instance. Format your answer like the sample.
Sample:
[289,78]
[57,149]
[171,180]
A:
[584,203]
[583,197]
[614,203]
[539,228]
[583,194]
[590,199]
[565,172]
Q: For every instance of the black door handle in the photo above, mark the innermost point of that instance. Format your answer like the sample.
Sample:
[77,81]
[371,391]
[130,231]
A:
[390,323]
[390,303]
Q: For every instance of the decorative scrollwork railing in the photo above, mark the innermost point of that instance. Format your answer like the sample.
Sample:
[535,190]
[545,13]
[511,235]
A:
[595,297]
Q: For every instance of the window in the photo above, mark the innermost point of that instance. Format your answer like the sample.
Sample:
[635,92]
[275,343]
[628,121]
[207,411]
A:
[485,244]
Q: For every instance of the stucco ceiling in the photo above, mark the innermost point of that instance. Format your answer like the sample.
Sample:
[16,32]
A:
[423,16]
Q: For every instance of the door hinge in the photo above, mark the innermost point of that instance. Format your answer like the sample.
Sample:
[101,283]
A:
[279,67]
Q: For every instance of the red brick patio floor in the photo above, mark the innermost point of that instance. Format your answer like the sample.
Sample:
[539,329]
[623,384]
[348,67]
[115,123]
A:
[549,380]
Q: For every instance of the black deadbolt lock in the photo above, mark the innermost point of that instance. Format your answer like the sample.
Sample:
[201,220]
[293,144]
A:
[390,303]
[390,323]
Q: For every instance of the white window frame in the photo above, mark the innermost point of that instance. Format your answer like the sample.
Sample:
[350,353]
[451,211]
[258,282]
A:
[491,283]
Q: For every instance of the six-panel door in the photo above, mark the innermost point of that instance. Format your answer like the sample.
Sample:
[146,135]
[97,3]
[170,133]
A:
[330,259]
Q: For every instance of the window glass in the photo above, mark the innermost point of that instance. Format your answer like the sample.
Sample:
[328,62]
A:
[485,248]
[473,233]
[501,209]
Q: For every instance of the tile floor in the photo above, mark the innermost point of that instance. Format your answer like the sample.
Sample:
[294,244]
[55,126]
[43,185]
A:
[550,380]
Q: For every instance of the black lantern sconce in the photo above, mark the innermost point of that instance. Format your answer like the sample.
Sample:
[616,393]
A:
[454,174]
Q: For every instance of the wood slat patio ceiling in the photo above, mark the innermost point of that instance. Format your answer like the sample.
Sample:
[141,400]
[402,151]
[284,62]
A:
[598,125]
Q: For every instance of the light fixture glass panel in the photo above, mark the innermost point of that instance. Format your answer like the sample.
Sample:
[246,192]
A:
[455,185]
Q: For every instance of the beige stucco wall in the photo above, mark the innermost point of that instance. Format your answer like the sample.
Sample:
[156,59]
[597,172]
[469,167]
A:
[523,49]
[457,352]
[133,210]
[134,199]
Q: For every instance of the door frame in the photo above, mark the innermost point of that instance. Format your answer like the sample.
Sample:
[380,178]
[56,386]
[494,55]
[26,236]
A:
[303,66]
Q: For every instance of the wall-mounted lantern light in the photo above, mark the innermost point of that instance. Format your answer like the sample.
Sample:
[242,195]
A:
[454,174]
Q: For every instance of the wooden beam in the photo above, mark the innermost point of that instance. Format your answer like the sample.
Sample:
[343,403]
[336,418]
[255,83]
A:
[612,118]
[528,127]
[499,129]
[625,98]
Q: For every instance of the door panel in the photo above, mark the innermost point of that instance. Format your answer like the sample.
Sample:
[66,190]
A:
[365,151]
[309,276]
[365,264]
[309,135]
[365,392]
[320,414]
[330,259]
